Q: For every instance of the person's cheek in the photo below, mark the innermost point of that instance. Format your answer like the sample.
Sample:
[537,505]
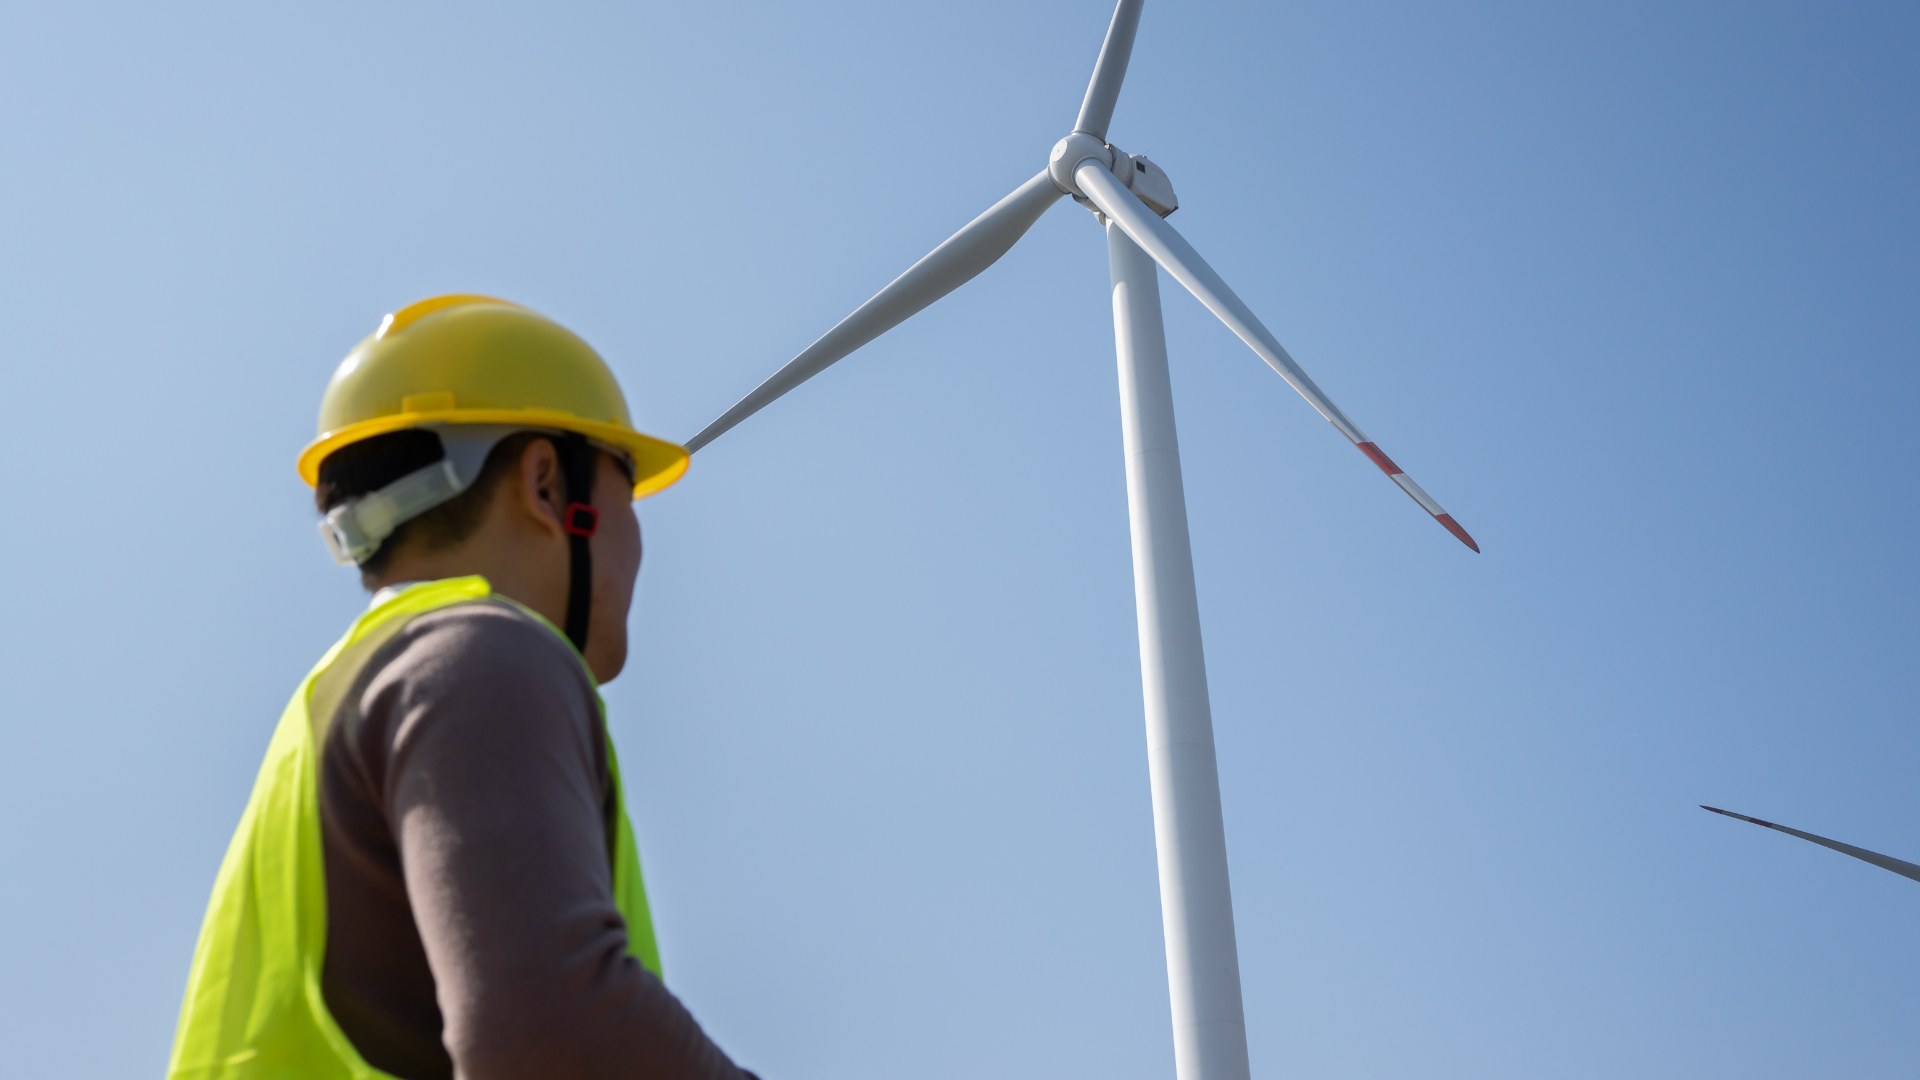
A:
[631,549]
[623,554]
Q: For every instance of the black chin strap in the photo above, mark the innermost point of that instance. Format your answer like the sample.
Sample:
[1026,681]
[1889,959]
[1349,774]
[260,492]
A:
[578,459]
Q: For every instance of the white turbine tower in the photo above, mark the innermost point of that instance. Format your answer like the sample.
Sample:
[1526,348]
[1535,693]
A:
[1131,196]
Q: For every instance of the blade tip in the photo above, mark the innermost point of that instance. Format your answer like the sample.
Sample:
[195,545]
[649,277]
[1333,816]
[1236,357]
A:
[1459,533]
[1740,817]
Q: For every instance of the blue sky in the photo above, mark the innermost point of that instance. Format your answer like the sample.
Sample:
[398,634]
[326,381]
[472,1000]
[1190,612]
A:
[1629,288]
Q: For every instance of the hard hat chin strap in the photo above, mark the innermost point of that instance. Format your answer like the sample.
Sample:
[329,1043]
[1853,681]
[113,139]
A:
[578,461]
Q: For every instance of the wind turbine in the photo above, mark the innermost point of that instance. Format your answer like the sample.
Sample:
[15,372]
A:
[1130,196]
[1884,862]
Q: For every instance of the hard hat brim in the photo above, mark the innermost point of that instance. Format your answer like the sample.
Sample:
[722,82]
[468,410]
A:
[657,463]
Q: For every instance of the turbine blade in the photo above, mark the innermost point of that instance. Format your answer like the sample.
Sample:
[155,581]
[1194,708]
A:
[1904,869]
[1178,258]
[949,266]
[1096,111]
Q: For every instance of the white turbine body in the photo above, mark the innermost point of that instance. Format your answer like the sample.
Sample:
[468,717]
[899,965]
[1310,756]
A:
[1132,196]
[1196,905]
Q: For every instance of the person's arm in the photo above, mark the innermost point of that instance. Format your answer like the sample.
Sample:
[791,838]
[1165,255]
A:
[495,784]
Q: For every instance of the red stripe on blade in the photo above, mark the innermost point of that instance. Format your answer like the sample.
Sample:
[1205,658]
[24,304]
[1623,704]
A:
[1454,528]
[1386,463]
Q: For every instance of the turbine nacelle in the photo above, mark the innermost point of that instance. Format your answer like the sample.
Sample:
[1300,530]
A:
[1150,185]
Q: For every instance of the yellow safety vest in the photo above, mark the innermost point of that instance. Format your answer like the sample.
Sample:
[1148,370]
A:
[254,1009]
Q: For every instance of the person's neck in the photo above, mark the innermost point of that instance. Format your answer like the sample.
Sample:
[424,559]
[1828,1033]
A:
[527,578]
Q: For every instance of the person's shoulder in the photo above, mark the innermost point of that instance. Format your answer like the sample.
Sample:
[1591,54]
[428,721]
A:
[478,664]
[489,616]
[485,640]
[473,683]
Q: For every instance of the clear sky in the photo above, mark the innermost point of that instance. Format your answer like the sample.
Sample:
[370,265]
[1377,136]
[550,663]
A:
[1629,287]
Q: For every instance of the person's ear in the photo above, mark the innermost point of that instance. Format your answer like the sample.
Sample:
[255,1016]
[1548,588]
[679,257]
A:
[541,491]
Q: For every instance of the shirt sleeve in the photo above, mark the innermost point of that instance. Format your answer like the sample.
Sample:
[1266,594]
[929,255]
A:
[495,783]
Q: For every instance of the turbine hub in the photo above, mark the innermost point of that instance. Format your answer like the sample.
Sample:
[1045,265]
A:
[1067,155]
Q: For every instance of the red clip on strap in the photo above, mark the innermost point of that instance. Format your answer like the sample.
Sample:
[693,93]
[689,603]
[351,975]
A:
[582,520]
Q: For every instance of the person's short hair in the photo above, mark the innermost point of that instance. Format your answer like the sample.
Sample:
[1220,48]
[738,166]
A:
[368,465]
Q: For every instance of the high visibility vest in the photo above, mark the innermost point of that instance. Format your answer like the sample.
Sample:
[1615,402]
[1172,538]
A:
[254,1009]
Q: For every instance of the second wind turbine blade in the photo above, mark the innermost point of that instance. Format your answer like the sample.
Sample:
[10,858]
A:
[949,266]
[1884,862]
[1177,257]
[1103,90]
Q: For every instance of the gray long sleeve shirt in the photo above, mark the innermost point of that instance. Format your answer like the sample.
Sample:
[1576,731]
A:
[466,808]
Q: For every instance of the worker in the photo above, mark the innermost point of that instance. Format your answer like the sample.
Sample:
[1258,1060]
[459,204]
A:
[435,876]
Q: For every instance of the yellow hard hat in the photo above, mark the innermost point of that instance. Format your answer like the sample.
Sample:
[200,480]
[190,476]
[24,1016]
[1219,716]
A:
[475,360]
